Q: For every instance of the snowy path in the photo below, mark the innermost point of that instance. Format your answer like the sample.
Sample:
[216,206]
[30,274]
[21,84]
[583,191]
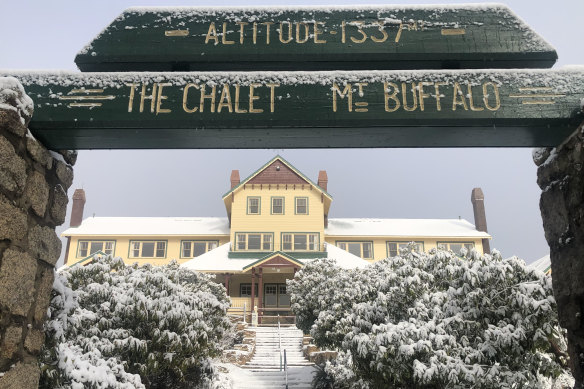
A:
[263,371]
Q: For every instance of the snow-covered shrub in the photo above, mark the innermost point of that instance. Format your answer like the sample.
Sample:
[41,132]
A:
[117,326]
[434,320]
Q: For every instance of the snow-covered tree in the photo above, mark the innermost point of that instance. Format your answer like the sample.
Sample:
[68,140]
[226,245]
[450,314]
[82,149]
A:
[433,320]
[117,326]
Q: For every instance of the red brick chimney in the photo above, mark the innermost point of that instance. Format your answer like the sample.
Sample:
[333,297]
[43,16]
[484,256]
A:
[478,205]
[322,179]
[77,210]
[234,178]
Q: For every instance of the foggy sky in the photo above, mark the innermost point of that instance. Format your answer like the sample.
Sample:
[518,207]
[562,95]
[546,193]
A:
[386,183]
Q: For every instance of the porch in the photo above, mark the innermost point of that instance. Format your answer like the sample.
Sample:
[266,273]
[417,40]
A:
[269,296]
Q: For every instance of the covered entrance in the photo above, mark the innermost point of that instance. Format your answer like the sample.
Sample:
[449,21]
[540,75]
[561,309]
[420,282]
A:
[273,300]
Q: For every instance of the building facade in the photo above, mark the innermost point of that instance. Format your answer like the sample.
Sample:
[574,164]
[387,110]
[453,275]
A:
[277,221]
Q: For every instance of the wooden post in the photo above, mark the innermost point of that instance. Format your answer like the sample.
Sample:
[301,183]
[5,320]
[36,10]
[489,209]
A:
[227,276]
[252,288]
[260,295]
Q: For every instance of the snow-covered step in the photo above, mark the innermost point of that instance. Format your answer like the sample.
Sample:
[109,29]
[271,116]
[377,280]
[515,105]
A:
[264,368]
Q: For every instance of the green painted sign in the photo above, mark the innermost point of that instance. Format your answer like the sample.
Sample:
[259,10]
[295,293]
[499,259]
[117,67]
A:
[522,108]
[316,38]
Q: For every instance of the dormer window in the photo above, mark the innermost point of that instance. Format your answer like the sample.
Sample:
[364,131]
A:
[253,205]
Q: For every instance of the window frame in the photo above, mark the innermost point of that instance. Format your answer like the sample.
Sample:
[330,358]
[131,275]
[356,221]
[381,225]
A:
[338,242]
[246,234]
[296,205]
[272,205]
[449,242]
[398,242]
[89,241]
[292,242]
[141,241]
[259,199]
[208,242]
[241,285]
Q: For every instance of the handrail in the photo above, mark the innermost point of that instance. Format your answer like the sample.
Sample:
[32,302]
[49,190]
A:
[285,359]
[279,342]
[286,368]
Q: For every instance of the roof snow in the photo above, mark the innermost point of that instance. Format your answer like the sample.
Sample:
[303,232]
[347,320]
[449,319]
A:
[543,264]
[183,226]
[451,228]
[218,260]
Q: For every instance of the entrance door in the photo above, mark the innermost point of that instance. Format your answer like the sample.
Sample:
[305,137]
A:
[271,296]
[283,297]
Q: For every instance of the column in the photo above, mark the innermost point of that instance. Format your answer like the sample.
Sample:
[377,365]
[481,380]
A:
[252,288]
[33,201]
[260,295]
[227,276]
[261,290]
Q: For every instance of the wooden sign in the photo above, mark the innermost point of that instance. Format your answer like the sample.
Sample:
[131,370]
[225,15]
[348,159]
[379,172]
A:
[316,38]
[512,108]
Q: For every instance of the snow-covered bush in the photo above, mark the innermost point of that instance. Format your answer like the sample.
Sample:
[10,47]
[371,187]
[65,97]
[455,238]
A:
[433,320]
[117,326]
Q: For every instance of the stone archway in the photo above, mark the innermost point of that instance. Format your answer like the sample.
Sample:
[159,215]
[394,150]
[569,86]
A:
[33,201]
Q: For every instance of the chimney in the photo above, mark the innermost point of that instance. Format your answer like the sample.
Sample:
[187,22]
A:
[234,178]
[77,210]
[322,179]
[478,205]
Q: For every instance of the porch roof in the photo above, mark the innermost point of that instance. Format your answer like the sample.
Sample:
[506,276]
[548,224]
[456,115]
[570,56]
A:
[217,260]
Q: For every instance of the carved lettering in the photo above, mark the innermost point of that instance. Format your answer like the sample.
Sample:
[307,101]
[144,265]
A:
[348,92]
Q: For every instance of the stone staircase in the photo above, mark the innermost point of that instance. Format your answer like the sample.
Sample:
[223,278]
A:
[264,367]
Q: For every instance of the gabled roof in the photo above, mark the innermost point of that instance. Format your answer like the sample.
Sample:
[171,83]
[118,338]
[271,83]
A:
[287,258]
[287,164]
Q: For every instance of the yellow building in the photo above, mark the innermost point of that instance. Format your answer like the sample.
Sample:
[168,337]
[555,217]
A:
[277,220]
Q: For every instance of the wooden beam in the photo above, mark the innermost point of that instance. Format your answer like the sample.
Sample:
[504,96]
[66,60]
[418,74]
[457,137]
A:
[484,108]
[316,38]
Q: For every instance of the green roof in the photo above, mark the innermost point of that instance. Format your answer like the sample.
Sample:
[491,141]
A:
[272,254]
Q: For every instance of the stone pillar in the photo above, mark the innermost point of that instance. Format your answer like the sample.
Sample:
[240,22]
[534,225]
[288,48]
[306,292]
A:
[33,201]
[560,176]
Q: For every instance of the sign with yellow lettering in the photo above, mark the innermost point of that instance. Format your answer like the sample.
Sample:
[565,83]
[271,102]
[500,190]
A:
[514,108]
[316,38]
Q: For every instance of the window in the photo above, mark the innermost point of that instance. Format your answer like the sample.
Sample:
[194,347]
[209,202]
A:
[301,205]
[253,205]
[393,248]
[245,290]
[194,248]
[277,205]
[455,247]
[147,249]
[88,247]
[300,242]
[254,241]
[360,249]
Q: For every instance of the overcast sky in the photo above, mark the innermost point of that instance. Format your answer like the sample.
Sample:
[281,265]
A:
[385,183]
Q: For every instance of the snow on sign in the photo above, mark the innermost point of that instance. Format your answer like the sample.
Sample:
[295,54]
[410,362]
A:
[316,38]
[439,108]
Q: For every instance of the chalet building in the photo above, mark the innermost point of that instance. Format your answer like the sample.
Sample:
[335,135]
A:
[277,221]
